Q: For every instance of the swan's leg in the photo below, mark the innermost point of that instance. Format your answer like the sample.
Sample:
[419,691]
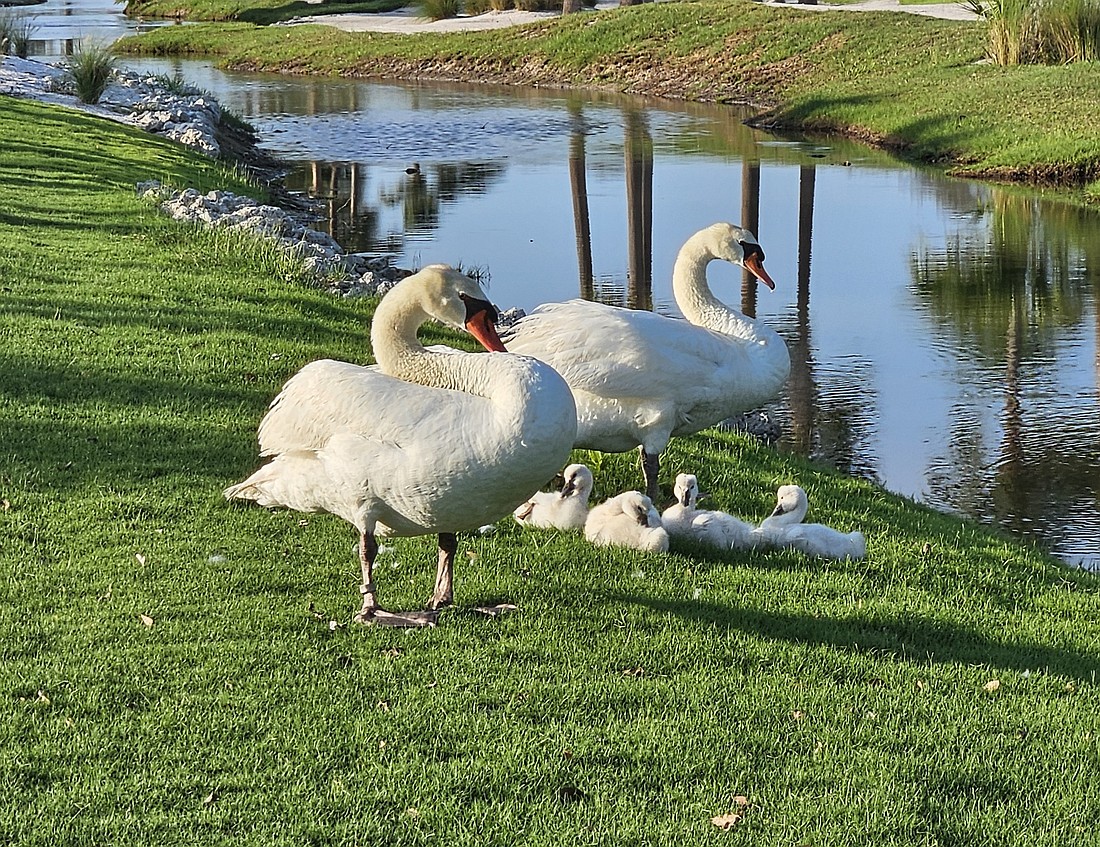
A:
[371,611]
[444,576]
[368,550]
[651,464]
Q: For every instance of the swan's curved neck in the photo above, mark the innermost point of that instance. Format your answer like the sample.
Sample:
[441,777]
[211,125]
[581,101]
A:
[789,518]
[696,300]
[400,354]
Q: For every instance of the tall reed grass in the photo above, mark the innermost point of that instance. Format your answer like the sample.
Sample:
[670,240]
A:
[1049,32]
[90,69]
[437,10]
[16,32]
[1071,30]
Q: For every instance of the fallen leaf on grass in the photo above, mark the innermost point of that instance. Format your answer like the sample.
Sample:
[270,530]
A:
[497,610]
[992,685]
[727,821]
[140,558]
[209,799]
[145,619]
[5,504]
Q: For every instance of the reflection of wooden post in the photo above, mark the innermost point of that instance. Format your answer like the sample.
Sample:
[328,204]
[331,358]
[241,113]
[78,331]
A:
[333,193]
[1011,469]
[353,195]
[638,151]
[800,385]
[578,183]
[750,220]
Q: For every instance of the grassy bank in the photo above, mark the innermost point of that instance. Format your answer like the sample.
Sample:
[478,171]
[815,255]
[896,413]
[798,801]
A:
[254,11]
[911,83]
[168,673]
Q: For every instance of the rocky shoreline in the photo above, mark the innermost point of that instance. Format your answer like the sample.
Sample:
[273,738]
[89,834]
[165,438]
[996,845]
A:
[194,119]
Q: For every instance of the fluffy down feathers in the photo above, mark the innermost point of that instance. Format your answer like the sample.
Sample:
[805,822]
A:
[627,520]
[563,509]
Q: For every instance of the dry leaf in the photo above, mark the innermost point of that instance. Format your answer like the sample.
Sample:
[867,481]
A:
[497,610]
[797,715]
[145,619]
[210,798]
[741,801]
[412,813]
[992,685]
[140,558]
[382,706]
[5,505]
[727,821]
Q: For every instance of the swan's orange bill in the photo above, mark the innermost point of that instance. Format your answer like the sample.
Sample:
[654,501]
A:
[756,267]
[481,326]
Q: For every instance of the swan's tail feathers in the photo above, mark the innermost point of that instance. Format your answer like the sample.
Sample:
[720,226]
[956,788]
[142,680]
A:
[282,482]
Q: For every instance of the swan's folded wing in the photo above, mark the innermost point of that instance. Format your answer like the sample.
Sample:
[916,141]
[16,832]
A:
[615,352]
[327,397]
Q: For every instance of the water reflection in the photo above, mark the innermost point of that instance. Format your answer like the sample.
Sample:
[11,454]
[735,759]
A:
[1014,289]
[61,26]
[944,334]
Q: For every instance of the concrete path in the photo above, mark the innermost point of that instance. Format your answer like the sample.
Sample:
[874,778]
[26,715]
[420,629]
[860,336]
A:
[406,20]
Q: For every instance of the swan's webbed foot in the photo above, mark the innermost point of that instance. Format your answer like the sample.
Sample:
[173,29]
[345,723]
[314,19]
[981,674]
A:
[408,620]
[372,613]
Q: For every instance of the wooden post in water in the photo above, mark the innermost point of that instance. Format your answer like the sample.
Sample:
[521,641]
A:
[750,220]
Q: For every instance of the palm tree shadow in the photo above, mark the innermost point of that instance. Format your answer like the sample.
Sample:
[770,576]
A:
[908,639]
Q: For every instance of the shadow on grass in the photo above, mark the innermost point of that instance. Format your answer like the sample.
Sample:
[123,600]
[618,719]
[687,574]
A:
[942,132]
[908,639]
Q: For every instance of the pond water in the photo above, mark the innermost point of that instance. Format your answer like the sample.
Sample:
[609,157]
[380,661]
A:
[945,335]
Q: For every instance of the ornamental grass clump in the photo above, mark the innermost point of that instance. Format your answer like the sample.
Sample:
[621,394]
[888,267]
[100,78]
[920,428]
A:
[1070,30]
[15,34]
[90,69]
[437,10]
[1040,32]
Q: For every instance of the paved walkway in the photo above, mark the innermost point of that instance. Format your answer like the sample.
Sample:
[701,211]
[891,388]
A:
[406,20]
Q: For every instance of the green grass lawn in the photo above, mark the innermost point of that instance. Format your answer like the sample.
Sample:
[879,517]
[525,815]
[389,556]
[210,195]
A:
[168,673]
[911,83]
[254,11]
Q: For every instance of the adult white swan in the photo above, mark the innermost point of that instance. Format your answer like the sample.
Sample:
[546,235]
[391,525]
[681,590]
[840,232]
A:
[640,378]
[431,441]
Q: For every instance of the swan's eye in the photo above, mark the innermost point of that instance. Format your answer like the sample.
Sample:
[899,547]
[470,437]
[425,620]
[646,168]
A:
[752,250]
